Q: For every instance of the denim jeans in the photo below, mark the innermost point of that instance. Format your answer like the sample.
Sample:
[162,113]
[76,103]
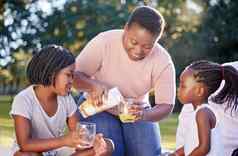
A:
[130,139]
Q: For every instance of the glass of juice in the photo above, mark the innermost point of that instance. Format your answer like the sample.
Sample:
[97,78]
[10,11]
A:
[125,115]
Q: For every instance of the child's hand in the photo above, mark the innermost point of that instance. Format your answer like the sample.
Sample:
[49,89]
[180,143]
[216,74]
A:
[100,146]
[72,139]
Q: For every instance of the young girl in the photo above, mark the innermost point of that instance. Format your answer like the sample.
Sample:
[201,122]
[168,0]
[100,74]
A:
[197,82]
[228,119]
[41,111]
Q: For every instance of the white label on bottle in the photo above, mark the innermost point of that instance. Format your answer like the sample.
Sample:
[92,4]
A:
[90,110]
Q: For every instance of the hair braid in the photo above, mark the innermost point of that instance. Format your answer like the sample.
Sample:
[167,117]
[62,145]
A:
[46,63]
[211,74]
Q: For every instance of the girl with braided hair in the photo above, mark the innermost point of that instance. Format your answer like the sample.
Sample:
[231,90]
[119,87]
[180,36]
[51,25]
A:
[197,82]
[228,118]
[42,110]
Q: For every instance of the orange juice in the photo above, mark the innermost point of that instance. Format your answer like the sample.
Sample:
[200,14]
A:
[125,118]
[125,115]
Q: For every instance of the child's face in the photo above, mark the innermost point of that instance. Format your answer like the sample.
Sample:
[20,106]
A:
[187,87]
[64,80]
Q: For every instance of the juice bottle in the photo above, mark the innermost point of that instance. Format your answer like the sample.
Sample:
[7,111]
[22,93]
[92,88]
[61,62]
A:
[113,98]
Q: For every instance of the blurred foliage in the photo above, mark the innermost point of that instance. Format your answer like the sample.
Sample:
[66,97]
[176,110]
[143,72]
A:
[219,31]
[195,29]
[26,25]
[215,38]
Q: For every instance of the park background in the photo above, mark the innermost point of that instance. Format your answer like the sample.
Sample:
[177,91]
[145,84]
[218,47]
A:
[195,29]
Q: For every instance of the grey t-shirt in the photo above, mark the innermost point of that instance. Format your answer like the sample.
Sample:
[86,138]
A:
[43,126]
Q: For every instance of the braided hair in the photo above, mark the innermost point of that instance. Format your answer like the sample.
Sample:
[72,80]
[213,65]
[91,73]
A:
[211,74]
[46,63]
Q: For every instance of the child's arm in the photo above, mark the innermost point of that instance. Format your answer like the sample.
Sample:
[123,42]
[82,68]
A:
[72,122]
[27,144]
[203,119]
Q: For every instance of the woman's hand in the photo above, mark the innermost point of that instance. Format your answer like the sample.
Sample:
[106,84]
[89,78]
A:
[94,87]
[96,94]
[138,111]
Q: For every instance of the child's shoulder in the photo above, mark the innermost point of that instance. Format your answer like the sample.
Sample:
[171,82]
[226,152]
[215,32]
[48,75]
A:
[67,103]
[205,113]
[24,98]
[68,99]
[23,103]
[204,109]
[25,93]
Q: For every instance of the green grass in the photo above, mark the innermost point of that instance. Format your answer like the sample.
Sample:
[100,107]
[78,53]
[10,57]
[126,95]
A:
[6,123]
[168,131]
[167,126]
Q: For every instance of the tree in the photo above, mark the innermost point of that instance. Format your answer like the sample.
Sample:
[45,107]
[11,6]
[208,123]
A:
[219,31]
[27,24]
[213,38]
[22,21]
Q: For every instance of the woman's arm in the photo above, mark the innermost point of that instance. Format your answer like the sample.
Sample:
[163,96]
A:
[158,112]
[154,114]
[27,144]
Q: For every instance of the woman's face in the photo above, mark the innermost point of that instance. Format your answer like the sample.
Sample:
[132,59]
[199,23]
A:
[138,42]
[64,80]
